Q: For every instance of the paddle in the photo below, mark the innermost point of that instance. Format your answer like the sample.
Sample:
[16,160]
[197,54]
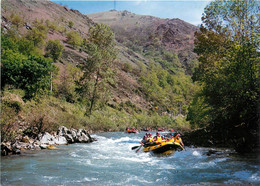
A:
[139,148]
[135,147]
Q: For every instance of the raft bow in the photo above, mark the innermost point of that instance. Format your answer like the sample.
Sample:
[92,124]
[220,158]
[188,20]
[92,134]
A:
[164,147]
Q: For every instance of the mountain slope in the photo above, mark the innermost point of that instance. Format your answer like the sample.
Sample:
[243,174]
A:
[148,72]
[173,34]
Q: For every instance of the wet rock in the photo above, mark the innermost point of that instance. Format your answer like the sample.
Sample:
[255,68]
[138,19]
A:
[210,152]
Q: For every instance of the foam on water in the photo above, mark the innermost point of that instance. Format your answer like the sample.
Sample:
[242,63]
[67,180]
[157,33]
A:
[111,161]
[255,177]
[196,153]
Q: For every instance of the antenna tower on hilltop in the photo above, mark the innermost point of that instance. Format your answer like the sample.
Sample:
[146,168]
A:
[114,4]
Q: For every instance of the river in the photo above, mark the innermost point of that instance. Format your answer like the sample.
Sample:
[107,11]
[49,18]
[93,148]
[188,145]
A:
[110,161]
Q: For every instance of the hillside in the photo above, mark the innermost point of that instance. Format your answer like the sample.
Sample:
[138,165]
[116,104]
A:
[151,84]
[175,35]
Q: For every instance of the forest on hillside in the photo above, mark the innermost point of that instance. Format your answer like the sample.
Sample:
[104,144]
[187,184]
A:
[41,90]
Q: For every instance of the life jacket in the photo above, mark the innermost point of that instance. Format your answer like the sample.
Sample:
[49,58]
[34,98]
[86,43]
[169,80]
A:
[177,140]
[158,138]
[171,139]
[150,139]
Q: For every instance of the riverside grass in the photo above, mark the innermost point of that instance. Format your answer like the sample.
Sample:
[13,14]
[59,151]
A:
[48,113]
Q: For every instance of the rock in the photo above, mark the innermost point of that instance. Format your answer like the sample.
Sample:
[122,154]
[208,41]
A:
[69,138]
[47,139]
[61,140]
[74,134]
[37,147]
[25,139]
[210,152]
[83,138]
[36,142]
[62,131]
[43,146]
[31,141]
[6,148]
[16,148]
[63,136]
[28,26]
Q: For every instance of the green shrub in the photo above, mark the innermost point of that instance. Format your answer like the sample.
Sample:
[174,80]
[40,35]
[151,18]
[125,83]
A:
[127,67]
[74,39]
[31,74]
[71,23]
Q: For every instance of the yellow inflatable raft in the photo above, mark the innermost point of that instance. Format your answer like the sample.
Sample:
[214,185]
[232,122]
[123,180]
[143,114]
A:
[164,147]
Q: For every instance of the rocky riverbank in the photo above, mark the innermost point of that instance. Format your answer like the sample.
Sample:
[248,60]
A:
[240,138]
[46,140]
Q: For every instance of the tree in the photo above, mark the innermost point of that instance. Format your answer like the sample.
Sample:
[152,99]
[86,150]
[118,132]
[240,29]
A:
[74,39]
[38,34]
[16,20]
[227,46]
[66,88]
[31,74]
[98,66]
[71,23]
[54,49]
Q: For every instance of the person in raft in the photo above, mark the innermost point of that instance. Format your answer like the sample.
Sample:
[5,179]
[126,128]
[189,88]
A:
[158,138]
[171,138]
[150,138]
[144,140]
[177,139]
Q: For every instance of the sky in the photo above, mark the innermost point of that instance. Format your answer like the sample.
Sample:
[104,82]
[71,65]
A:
[187,10]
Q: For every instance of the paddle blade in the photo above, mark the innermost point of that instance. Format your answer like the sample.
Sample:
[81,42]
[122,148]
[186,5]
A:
[138,149]
[135,147]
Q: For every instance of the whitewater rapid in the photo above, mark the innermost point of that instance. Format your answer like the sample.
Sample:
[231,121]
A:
[111,161]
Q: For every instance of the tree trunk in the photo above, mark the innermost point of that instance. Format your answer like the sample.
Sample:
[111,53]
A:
[94,94]
[51,83]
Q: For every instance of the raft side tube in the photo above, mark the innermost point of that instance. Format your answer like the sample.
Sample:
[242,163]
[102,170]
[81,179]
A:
[163,147]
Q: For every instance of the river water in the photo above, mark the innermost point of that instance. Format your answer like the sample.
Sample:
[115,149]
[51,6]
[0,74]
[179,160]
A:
[110,161]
